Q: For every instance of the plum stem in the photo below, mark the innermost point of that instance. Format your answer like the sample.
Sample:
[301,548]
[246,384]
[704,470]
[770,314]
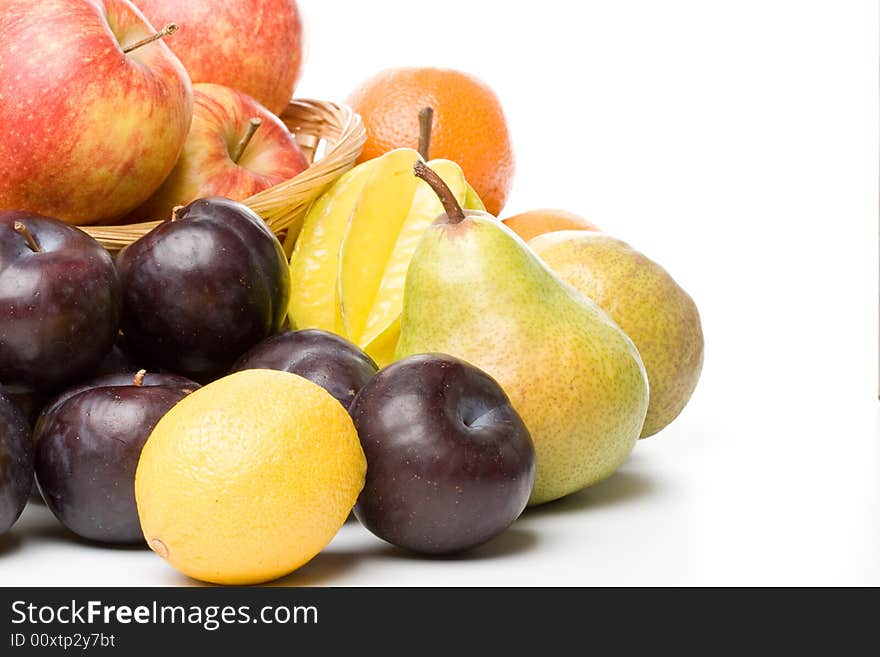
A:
[426,124]
[22,230]
[168,30]
[441,189]
[139,378]
[253,125]
[175,213]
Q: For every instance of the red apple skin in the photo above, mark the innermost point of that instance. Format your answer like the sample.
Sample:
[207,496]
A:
[251,45]
[89,132]
[221,118]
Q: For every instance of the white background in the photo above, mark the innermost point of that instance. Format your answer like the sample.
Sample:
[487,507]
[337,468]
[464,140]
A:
[737,144]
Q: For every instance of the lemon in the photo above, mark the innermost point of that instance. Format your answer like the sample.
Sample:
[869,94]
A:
[248,478]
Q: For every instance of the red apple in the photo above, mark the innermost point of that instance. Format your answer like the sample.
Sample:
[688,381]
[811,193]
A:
[235,148]
[89,130]
[251,45]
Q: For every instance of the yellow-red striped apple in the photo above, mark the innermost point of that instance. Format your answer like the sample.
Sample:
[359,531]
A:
[91,125]
[235,148]
[251,45]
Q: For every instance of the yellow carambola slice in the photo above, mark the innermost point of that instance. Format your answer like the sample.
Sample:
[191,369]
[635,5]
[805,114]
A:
[382,348]
[472,201]
[368,244]
[376,252]
[314,265]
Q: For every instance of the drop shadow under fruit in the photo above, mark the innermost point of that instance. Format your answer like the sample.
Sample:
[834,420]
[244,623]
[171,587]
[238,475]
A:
[622,488]
[515,540]
[10,542]
[322,570]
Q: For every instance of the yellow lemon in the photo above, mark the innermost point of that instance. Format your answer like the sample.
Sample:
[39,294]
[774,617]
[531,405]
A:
[248,478]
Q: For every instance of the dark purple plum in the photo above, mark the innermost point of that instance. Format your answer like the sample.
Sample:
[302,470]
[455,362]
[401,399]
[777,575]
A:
[88,441]
[59,302]
[117,361]
[29,403]
[450,464]
[203,288]
[332,362]
[16,463]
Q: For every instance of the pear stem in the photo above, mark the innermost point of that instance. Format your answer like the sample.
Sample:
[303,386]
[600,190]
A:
[139,378]
[168,30]
[426,123]
[453,210]
[22,230]
[253,125]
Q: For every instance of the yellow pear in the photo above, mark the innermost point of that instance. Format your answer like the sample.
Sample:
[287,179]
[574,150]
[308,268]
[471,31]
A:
[646,302]
[475,291]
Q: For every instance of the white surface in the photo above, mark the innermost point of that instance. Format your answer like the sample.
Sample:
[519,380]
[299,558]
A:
[736,143]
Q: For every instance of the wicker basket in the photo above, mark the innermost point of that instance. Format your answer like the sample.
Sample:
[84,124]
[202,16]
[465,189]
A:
[331,137]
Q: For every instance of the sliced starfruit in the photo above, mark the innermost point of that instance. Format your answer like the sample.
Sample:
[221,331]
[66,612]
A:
[348,268]
[314,265]
[378,247]
[472,201]
[367,249]
[382,348]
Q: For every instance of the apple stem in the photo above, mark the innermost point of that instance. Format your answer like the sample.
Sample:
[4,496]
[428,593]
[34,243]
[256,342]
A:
[253,125]
[22,230]
[426,123]
[139,378]
[441,189]
[168,30]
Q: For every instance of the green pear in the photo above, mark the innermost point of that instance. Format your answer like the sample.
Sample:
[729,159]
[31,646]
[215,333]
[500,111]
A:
[475,291]
[645,301]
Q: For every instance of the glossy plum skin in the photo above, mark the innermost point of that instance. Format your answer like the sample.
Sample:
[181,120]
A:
[328,360]
[201,290]
[59,306]
[87,445]
[16,463]
[117,361]
[29,403]
[450,464]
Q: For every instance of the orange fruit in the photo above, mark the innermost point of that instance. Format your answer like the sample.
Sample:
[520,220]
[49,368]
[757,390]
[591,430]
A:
[469,124]
[529,225]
